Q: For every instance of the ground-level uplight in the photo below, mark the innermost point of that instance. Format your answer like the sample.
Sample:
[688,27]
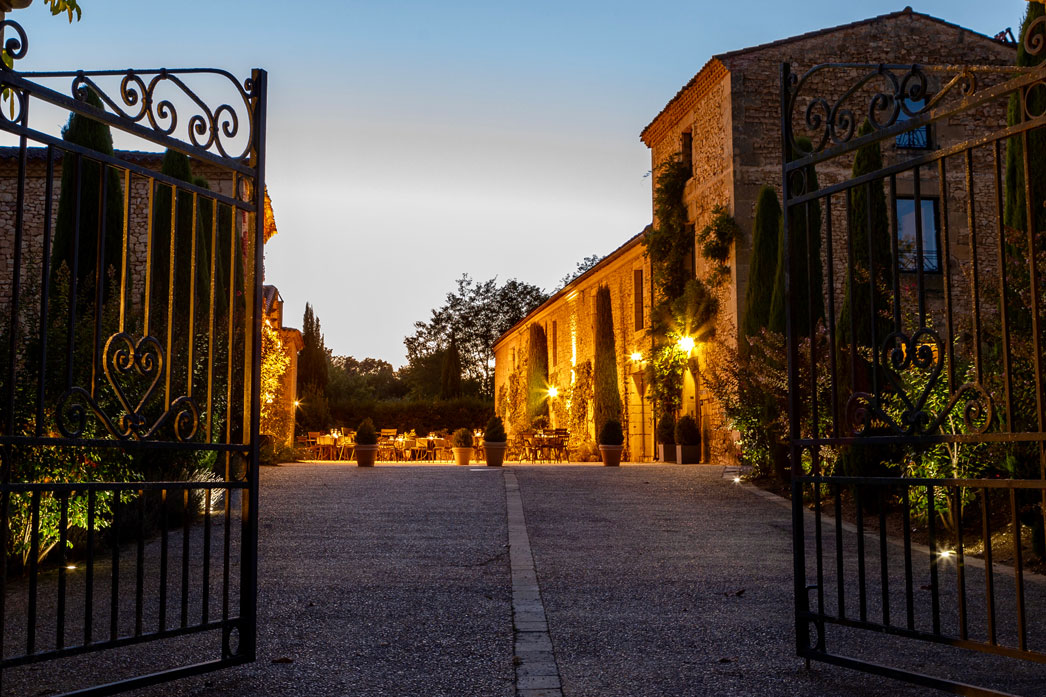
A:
[737,480]
[946,554]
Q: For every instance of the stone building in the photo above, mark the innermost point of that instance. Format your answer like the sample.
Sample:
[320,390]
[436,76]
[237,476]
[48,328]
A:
[272,313]
[725,125]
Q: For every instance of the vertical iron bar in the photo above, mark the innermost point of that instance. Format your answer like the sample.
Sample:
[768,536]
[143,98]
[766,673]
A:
[149,259]
[884,572]
[989,570]
[99,277]
[895,257]
[210,324]
[75,271]
[1003,314]
[185,559]
[16,271]
[1018,571]
[819,536]
[114,584]
[909,591]
[1035,318]
[873,288]
[960,561]
[861,582]
[812,328]
[935,590]
[840,579]
[831,316]
[45,291]
[63,524]
[946,268]
[162,621]
[192,299]
[971,223]
[139,574]
[34,571]
[850,278]
[206,593]
[123,248]
[92,496]
[169,364]
[919,279]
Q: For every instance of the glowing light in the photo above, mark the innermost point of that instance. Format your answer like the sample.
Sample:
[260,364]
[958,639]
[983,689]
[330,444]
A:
[946,554]
[71,567]
[297,403]
[636,356]
[737,480]
[686,344]
[553,391]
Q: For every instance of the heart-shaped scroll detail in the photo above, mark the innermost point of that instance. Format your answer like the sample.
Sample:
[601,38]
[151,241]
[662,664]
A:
[922,351]
[123,359]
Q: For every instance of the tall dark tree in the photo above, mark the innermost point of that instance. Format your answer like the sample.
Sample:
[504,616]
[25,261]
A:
[312,359]
[606,397]
[869,227]
[1016,213]
[537,374]
[761,269]
[804,224]
[450,376]
[100,223]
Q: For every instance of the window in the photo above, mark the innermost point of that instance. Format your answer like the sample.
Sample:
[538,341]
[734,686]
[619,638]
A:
[917,138]
[686,147]
[637,297]
[907,242]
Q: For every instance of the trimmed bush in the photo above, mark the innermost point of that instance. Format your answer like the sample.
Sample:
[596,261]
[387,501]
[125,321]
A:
[366,433]
[606,400]
[611,433]
[495,431]
[687,432]
[666,430]
[462,438]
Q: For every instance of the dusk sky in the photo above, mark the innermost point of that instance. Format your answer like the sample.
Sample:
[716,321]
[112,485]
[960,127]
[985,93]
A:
[412,142]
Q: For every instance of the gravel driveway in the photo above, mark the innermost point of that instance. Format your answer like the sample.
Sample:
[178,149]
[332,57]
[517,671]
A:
[655,580]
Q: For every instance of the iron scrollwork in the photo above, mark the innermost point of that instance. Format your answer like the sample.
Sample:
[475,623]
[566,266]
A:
[901,354]
[122,359]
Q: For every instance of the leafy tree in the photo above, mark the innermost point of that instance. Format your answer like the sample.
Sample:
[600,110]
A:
[537,374]
[450,377]
[95,135]
[765,243]
[476,315]
[807,275]
[584,265]
[606,396]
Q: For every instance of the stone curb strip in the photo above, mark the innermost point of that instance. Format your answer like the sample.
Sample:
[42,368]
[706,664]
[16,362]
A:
[537,674]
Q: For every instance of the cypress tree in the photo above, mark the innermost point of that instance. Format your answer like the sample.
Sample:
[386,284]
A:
[868,223]
[606,399]
[765,232]
[807,274]
[95,135]
[1016,214]
[537,374]
[312,359]
[450,375]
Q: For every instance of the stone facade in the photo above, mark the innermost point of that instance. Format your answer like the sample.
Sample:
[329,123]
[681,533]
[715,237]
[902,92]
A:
[726,122]
[272,313]
[568,320]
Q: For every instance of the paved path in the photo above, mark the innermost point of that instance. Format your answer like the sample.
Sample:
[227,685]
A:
[530,581]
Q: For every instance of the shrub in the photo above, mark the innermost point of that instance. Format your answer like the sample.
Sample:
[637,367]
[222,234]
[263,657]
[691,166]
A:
[462,438]
[666,430]
[606,401]
[587,451]
[611,433]
[687,432]
[495,431]
[366,434]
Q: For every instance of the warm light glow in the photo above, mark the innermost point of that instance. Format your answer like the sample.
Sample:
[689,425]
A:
[686,344]
[636,356]
[553,391]
[297,403]
[946,554]
[71,567]
[737,480]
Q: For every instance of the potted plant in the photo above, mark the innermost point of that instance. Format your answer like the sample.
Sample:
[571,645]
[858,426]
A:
[461,444]
[611,443]
[366,444]
[688,441]
[666,439]
[495,442]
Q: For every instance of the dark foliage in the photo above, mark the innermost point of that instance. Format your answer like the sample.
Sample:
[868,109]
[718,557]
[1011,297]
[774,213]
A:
[611,433]
[687,432]
[765,243]
[666,430]
[606,397]
[419,416]
[537,375]
[450,376]
[495,431]
[366,434]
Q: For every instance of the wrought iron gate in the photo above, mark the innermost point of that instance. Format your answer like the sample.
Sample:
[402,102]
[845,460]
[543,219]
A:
[130,320]
[916,261]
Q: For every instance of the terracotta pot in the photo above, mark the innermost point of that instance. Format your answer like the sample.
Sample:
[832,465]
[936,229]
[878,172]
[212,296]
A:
[365,455]
[688,454]
[611,454]
[462,455]
[666,453]
[495,452]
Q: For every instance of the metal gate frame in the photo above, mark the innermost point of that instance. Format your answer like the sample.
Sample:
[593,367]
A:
[164,420]
[818,417]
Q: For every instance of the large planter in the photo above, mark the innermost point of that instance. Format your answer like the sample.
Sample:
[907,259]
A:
[462,455]
[495,451]
[688,454]
[611,454]
[365,455]
[666,453]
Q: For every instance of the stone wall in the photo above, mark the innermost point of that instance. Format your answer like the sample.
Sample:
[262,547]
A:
[568,321]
